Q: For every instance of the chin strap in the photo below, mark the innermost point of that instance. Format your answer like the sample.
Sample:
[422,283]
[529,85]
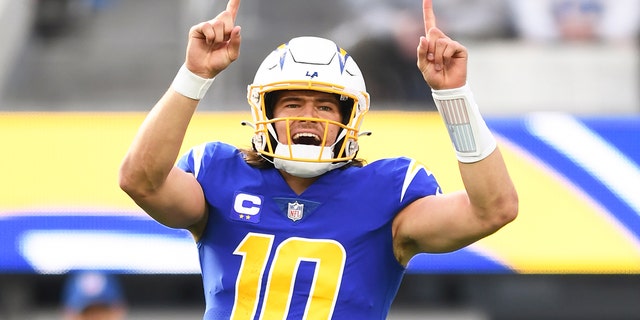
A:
[305,169]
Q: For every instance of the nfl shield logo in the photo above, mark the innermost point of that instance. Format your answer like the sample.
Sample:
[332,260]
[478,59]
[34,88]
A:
[295,211]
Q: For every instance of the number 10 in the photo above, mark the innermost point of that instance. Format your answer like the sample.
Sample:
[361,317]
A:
[328,256]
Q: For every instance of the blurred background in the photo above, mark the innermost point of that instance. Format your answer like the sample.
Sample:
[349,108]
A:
[557,80]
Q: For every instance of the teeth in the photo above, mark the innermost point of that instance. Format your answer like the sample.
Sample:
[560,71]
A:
[305,135]
[306,138]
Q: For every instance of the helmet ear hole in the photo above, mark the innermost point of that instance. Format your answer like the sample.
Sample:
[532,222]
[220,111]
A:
[350,149]
[258,142]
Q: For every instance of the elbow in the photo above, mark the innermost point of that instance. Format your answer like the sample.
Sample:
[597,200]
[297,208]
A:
[131,182]
[499,212]
[506,209]
[126,182]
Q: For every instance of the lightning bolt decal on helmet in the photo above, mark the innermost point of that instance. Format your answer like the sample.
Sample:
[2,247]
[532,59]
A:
[308,63]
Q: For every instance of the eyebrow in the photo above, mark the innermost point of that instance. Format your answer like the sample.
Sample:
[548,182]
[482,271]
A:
[303,97]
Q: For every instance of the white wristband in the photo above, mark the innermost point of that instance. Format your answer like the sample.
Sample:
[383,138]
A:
[469,133]
[190,85]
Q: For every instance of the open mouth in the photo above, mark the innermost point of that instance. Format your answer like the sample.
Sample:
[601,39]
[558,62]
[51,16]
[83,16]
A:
[306,138]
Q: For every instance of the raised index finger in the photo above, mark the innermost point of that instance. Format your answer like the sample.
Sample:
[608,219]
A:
[232,7]
[429,16]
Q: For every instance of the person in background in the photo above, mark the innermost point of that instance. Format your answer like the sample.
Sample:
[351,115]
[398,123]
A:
[388,60]
[615,21]
[386,51]
[93,295]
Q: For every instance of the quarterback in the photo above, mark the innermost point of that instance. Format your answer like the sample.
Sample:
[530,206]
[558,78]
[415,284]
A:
[298,226]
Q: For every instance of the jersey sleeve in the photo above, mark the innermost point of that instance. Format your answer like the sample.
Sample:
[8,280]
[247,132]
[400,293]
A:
[192,161]
[417,181]
[196,161]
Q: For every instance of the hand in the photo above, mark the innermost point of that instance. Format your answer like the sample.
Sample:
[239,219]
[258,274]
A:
[214,44]
[442,61]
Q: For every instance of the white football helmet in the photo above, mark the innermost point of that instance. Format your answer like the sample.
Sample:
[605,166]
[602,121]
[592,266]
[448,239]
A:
[308,63]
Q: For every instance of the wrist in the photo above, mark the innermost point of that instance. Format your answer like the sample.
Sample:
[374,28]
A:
[190,84]
[471,138]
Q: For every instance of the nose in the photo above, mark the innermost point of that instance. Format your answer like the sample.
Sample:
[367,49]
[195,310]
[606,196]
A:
[308,111]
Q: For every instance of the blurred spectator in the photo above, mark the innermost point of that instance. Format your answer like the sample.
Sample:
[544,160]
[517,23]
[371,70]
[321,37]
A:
[464,20]
[577,20]
[56,17]
[384,40]
[91,295]
[388,59]
[194,11]
[475,20]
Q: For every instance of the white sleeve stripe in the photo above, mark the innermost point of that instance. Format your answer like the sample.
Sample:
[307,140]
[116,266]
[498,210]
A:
[198,153]
[412,170]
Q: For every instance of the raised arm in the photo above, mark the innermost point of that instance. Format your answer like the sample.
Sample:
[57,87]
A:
[148,173]
[451,221]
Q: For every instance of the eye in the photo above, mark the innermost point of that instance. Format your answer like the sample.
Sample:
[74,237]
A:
[326,108]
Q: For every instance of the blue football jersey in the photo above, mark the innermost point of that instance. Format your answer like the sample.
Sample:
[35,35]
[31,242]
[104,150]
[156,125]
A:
[269,253]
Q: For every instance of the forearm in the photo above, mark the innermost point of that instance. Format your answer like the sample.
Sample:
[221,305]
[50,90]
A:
[491,192]
[488,185]
[156,146]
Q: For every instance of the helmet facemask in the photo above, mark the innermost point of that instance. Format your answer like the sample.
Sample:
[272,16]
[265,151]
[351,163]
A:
[308,156]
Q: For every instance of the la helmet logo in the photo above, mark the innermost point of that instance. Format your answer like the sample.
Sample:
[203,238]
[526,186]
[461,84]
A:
[295,211]
[312,74]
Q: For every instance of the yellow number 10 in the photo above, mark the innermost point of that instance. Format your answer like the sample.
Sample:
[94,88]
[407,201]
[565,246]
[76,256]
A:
[328,256]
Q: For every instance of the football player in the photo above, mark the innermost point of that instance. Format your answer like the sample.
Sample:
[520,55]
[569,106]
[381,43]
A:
[298,226]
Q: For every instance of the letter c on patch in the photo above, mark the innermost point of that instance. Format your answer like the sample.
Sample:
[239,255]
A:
[247,204]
